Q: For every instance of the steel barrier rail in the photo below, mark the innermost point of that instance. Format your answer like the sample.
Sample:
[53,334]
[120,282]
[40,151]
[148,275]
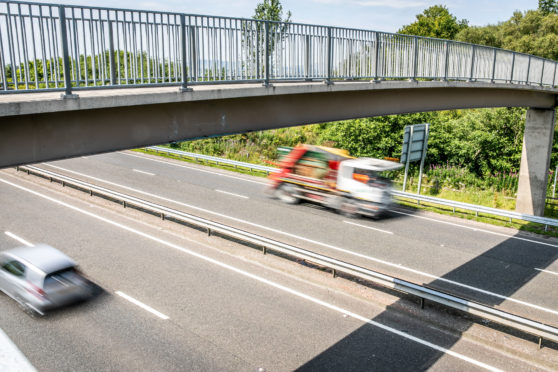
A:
[70,47]
[430,199]
[541,330]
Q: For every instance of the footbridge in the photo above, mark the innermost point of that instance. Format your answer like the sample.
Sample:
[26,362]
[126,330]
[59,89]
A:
[78,80]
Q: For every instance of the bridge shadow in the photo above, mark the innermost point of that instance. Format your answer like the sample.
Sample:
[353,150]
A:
[503,269]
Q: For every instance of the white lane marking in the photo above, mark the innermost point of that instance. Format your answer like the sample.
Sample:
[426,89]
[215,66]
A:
[142,305]
[258,278]
[356,254]
[233,194]
[192,168]
[143,172]
[11,358]
[547,271]
[369,227]
[21,240]
[85,157]
[477,229]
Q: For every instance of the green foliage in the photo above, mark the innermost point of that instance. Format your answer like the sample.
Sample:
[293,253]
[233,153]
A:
[548,6]
[271,10]
[435,21]
[532,32]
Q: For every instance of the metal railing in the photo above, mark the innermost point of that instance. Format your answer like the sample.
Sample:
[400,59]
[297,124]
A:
[541,330]
[406,195]
[67,47]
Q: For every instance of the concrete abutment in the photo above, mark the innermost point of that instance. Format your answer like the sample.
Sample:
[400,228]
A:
[535,161]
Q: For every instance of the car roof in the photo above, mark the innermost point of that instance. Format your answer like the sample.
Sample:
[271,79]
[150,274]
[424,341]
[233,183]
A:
[378,165]
[43,257]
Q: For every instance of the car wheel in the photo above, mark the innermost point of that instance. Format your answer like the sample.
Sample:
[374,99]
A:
[27,308]
[287,194]
[349,208]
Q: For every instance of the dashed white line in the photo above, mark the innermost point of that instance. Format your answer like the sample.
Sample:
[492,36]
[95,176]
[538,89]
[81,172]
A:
[368,227]
[332,247]
[254,277]
[546,271]
[192,168]
[476,229]
[143,172]
[142,305]
[232,193]
[21,240]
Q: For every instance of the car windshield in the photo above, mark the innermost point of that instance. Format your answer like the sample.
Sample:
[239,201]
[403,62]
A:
[62,277]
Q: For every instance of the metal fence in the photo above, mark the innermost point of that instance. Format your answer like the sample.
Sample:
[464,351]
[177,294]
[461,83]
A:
[65,47]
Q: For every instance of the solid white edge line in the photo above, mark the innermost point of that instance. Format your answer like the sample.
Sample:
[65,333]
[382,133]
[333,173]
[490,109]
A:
[368,227]
[332,247]
[142,305]
[258,278]
[11,357]
[192,168]
[233,194]
[546,271]
[21,240]
[143,172]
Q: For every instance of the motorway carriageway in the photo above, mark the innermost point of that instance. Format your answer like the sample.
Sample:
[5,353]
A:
[217,311]
[499,267]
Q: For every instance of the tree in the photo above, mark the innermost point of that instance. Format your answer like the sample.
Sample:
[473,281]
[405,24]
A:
[435,21]
[271,10]
[548,6]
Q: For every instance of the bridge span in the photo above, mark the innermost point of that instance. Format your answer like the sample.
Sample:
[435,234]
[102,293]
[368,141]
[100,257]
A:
[77,80]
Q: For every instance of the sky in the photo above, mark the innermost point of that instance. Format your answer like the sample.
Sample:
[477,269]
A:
[377,15]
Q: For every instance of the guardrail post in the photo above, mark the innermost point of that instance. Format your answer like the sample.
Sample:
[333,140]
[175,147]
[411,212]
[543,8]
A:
[65,54]
[542,74]
[267,53]
[513,66]
[111,55]
[415,59]
[184,86]
[446,65]
[329,56]
[528,70]
[472,63]
[377,57]
[554,78]
[493,66]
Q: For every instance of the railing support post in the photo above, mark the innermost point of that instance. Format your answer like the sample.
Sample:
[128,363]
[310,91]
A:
[446,65]
[111,55]
[329,56]
[65,54]
[376,57]
[267,53]
[415,59]
[554,78]
[473,53]
[528,70]
[184,87]
[513,66]
[307,58]
[542,74]
[493,67]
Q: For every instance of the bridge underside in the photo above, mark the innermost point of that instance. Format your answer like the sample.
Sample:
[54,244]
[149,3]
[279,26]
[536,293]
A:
[43,136]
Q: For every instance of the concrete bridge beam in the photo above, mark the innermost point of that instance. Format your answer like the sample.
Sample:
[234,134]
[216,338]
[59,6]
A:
[535,161]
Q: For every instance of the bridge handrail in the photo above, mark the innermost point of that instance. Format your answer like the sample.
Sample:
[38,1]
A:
[52,47]
[424,198]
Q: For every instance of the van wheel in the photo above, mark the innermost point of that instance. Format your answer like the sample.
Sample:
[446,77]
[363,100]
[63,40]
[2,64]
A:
[349,208]
[287,194]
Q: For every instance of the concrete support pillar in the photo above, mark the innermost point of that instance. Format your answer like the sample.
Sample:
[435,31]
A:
[535,161]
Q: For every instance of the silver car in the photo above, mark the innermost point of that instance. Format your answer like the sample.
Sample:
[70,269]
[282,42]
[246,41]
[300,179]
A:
[41,278]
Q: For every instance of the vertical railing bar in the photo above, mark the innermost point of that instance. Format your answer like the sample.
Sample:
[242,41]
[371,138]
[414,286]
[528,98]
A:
[3,64]
[55,47]
[542,73]
[554,78]
[528,70]
[43,47]
[512,67]
[111,55]
[266,26]
[493,66]
[473,52]
[376,56]
[415,58]
[75,48]
[25,60]
[34,47]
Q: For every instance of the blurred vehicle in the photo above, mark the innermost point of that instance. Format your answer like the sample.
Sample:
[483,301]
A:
[41,278]
[332,178]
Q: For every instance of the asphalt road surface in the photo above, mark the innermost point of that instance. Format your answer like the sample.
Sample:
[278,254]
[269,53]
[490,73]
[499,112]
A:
[175,300]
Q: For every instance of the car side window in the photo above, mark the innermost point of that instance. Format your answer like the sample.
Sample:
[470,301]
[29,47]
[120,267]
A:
[14,267]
